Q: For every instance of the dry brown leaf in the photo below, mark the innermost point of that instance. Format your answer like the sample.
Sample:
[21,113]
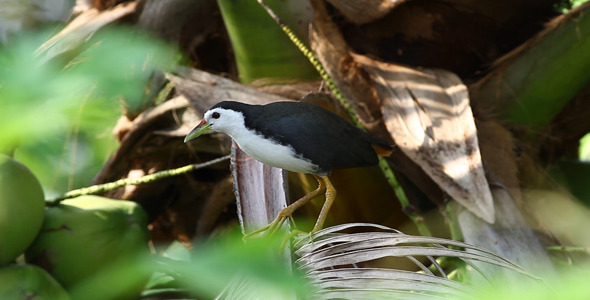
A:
[352,81]
[82,28]
[205,89]
[364,11]
[427,113]
[511,237]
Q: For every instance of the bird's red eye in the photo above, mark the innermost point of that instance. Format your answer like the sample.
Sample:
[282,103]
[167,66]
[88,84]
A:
[215,115]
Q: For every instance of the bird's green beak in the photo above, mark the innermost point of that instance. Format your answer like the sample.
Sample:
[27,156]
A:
[197,131]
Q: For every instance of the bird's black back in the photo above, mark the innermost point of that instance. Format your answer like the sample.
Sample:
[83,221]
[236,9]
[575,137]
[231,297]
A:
[314,132]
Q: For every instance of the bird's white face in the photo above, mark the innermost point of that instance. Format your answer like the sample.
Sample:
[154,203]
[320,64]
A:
[227,121]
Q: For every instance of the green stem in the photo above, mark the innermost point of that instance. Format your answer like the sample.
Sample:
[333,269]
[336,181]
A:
[568,249]
[385,168]
[109,186]
[402,198]
[316,64]
[452,219]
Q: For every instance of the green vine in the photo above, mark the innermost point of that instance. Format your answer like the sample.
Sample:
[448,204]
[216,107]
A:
[109,186]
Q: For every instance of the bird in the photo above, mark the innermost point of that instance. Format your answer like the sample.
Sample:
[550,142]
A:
[298,137]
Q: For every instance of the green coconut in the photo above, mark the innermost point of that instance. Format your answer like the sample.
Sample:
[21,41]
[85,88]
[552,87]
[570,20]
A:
[21,208]
[85,236]
[28,282]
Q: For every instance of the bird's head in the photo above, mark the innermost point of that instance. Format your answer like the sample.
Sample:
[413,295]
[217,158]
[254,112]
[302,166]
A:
[218,119]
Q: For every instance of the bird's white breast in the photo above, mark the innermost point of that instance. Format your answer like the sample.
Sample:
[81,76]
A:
[273,153]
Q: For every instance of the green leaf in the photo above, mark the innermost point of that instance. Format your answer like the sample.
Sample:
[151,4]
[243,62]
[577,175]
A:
[261,48]
[533,83]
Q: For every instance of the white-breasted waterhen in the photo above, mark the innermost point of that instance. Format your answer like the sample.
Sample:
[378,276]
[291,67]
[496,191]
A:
[298,137]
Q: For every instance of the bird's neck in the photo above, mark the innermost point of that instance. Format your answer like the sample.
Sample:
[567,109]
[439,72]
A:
[238,133]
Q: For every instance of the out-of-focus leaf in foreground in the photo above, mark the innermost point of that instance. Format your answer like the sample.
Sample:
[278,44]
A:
[229,268]
[224,267]
[572,284]
[257,261]
[62,111]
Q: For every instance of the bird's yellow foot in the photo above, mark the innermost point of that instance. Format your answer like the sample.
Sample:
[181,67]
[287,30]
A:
[269,229]
[324,185]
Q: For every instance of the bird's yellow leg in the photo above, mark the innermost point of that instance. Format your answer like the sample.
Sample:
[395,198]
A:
[330,196]
[289,210]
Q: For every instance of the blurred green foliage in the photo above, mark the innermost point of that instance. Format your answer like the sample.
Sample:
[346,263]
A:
[57,116]
[570,285]
[576,3]
[253,270]
[584,150]
[567,5]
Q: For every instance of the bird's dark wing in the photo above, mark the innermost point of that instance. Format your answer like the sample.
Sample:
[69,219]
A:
[316,134]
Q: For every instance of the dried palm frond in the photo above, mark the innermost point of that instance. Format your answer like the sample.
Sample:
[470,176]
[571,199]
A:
[333,260]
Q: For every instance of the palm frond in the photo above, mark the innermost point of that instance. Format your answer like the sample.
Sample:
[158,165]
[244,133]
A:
[333,260]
